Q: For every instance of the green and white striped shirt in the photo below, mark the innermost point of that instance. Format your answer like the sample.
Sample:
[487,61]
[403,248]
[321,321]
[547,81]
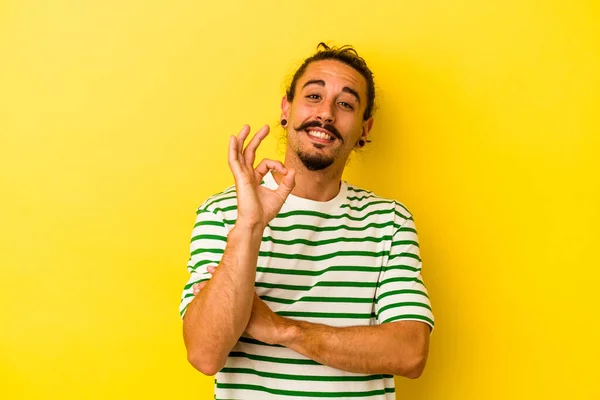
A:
[350,261]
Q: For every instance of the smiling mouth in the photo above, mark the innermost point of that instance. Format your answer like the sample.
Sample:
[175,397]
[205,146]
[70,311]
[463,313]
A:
[320,135]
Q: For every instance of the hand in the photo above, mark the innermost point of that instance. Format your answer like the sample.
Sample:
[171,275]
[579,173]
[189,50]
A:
[257,205]
[264,324]
[199,286]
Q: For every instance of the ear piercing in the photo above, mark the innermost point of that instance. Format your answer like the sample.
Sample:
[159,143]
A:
[284,122]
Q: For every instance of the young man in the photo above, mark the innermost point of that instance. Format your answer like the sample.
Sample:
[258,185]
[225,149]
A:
[302,285]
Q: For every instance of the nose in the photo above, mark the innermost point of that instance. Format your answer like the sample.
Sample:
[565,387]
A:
[326,112]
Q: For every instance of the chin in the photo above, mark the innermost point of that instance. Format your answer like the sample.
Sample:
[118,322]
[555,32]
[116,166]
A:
[314,162]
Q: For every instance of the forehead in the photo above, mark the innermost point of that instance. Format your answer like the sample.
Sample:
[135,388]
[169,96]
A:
[335,73]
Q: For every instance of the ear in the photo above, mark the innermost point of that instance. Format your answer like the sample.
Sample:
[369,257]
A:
[285,108]
[366,128]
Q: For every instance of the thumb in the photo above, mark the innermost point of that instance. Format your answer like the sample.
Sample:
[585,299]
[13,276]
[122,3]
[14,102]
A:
[287,184]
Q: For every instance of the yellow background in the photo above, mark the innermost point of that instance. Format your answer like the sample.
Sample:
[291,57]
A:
[114,121]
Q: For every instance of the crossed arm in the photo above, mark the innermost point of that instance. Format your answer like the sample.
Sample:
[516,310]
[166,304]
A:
[398,348]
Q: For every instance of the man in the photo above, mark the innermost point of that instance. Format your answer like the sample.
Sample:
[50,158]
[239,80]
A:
[302,285]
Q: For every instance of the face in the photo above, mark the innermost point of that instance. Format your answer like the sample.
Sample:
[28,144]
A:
[325,119]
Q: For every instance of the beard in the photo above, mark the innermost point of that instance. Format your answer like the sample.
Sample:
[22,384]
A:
[314,162]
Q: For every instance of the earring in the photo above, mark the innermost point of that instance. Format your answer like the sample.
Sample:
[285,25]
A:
[361,143]
[284,122]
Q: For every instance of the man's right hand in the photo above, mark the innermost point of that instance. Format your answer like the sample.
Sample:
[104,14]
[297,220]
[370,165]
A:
[215,319]
[256,204]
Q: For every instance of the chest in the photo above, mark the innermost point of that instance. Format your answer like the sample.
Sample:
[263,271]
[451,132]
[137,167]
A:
[322,273]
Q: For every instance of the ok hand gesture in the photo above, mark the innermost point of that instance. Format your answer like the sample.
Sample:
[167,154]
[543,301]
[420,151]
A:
[257,205]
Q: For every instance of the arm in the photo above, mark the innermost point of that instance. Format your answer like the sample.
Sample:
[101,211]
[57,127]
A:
[398,345]
[216,317]
[398,348]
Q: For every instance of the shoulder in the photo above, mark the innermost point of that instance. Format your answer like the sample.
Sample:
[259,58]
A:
[360,199]
[219,202]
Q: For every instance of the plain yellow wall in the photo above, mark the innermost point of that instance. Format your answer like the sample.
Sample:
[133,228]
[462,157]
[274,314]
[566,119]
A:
[114,122]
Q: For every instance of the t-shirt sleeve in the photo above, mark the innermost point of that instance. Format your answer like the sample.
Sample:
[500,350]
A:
[401,293]
[209,238]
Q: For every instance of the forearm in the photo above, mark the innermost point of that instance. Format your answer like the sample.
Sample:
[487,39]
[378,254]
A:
[382,349]
[218,315]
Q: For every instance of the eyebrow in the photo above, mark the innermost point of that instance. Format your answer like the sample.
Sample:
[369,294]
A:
[321,82]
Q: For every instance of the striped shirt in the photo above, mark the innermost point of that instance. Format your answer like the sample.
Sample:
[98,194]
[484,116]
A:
[350,261]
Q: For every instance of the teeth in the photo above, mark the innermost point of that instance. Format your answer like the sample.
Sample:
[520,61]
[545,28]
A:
[321,135]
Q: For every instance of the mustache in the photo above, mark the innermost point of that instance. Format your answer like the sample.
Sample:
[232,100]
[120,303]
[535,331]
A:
[316,124]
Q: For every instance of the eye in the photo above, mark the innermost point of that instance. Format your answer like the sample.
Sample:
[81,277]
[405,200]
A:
[346,105]
[313,97]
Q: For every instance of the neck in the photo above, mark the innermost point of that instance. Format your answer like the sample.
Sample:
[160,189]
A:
[321,185]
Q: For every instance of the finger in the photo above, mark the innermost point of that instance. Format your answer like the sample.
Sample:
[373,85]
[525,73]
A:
[211,270]
[241,138]
[233,157]
[250,150]
[198,287]
[287,184]
[266,165]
